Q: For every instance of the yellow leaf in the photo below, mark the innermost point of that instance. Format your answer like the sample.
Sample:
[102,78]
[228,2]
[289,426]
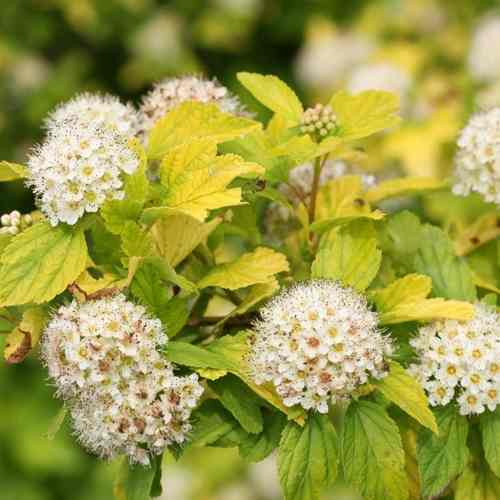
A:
[89,285]
[403,390]
[251,268]
[274,94]
[407,186]
[25,336]
[405,300]
[176,236]
[482,230]
[196,179]
[482,282]
[363,114]
[191,121]
[11,171]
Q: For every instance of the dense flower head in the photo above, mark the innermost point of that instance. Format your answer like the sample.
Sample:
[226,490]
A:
[13,222]
[477,163]
[171,92]
[484,64]
[318,121]
[122,394]
[106,111]
[316,343]
[78,168]
[460,361]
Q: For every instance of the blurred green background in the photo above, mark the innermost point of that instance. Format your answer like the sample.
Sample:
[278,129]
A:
[51,49]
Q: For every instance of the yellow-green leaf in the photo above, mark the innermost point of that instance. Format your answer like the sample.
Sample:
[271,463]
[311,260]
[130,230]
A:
[176,236]
[11,171]
[405,300]
[403,390]
[249,269]
[25,336]
[89,285]
[191,121]
[274,94]
[365,113]
[40,263]
[482,230]
[348,254]
[477,482]
[196,179]
[406,186]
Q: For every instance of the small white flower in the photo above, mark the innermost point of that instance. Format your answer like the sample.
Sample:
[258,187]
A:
[484,64]
[122,394]
[77,168]
[477,163]
[468,370]
[171,92]
[317,342]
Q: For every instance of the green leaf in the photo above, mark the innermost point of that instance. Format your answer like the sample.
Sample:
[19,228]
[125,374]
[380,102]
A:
[251,268]
[136,242]
[477,483]
[444,456]
[406,186]
[363,114]
[307,458]
[490,432]
[403,390]
[451,277]
[11,171]
[274,94]
[168,273]
[196,180]
[211,421]
[148,287]
[40,263]
[256,447]
[240,401]
[116,214]
[133,482]
[401,235]
[136,185]
[405,300]
[192,121]
[175,314]
[372,453]
[348,254]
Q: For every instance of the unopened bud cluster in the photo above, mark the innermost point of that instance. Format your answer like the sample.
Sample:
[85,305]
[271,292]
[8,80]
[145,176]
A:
[318,121]
[460,361]
[122,394]
[13,223]
[316,343]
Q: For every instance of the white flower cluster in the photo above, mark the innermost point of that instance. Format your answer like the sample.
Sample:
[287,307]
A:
[169,93]
[381,76]
[461,361]
[13,223]
[122,394]
[484,64]
[105,111]
[477,163]
[316,343]
[78,168]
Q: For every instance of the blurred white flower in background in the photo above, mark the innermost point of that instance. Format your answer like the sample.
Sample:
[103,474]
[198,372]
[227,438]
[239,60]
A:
[483,60]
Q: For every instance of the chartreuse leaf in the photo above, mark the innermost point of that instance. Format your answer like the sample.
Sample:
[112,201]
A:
[25,336]
[136,241]
[407,186]
[403,390]
[191,121]
[11,171]
[307,458]
[90,285]
[341,201]
[195,180]
[372,454]
[256,294]
[136,185]
[40,263]
[348,254]
[274,94]
[240,401]
[442,457]
[481,231]
[226,354]
[400,235]
[477,482]
[133,482]
[256,447]
[451,277]
[249,269]
[116,214]
[176,236]
[363,114]
[490,432]
[405,300]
